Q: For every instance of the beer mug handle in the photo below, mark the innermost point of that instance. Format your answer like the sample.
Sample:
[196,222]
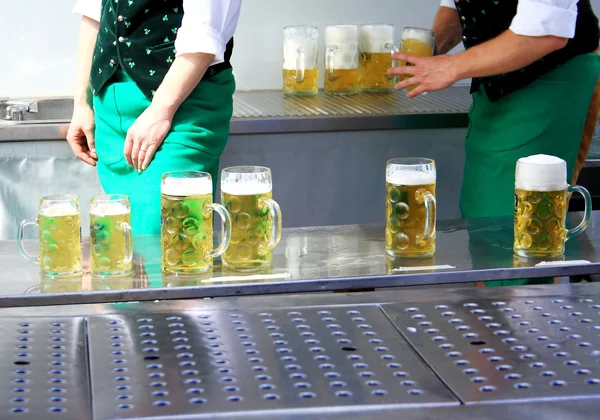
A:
[392,49]
[329,56]
[128,242]
[22,250]
[428,199]
[300,65]
[587,212]
[225,230]
[275,211]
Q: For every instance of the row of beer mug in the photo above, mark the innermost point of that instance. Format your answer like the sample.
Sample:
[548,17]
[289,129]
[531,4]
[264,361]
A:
[251,226]
[357,58]
[541,203]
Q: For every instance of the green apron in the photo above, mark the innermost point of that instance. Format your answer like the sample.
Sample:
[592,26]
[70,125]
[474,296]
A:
[547,116]
[195,142]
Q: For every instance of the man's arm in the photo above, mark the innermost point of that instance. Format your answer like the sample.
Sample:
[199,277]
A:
[447,29]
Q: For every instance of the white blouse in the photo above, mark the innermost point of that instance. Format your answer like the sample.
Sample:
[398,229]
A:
[207,25]
[541,17]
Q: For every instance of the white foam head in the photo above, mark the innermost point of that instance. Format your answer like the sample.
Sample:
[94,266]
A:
[184,187]
[423,35]
[59,209]
[409,175]
[109,209]
[541,173]
[342,41]
[373,38]
[296,39]
[245,188]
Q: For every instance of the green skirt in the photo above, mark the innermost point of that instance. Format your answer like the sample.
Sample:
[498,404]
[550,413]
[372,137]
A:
[547,116]
[195,142]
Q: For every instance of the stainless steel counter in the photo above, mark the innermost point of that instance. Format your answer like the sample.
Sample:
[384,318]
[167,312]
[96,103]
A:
[528,352]
[309,260]
[257,112]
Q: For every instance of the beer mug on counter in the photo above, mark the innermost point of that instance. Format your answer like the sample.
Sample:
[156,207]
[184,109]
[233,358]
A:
[541,201]
[59,225]
[187,223]
[111,239]
[410,208]
[247,194]
[341,59]
[419,42]
[376,48]
[300,55]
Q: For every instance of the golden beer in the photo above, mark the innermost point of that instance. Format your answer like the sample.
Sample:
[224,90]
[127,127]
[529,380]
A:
[340,81]
[418,42]
[410,208]
[110,235]
[373,71]
[341,59]
[60,241]
[540,208]
[294,84]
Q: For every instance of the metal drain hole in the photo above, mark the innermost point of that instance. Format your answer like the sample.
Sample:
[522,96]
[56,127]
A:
[235,398]
[160,393]
[558,383]
[19,399]
[343,394]
[415,392]
[522,385]
[307,395]
[18,410]
[162,403]
[593,381]
[22,362]
[349,348]
[152,357]
[487,388]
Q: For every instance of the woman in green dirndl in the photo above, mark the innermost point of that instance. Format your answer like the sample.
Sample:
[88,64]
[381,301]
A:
[154,93]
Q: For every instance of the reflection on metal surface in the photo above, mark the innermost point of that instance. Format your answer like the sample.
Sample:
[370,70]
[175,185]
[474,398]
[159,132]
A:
[318,259]
[550,263]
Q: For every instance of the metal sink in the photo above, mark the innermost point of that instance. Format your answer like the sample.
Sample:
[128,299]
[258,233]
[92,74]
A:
[19,111]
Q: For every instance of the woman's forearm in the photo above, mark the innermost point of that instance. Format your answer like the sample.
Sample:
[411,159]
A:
[87,39]
[184,75]
[447,29]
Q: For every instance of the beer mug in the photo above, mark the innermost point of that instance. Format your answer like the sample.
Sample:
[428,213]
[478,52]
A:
[419,42]
[541,204]
[300,55]
[187,223]
[111,240]
[410,208]
[341,59]
[59,225]
[247,194]
[376,49]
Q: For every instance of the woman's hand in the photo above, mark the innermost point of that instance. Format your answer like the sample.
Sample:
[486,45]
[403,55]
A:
[145,137]
[81,134]
[429,73]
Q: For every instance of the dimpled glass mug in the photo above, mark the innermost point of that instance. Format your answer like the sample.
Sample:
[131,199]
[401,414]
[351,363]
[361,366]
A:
[59,224]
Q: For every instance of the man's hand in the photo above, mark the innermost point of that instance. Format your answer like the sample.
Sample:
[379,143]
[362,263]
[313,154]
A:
[145,137]
[81,134]
[428,73]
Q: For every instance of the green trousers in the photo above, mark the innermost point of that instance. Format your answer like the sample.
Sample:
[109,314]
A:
[547,116]
[195,142]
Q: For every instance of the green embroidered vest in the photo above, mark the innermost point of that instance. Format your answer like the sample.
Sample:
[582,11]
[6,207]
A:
[139,37]
[483,20]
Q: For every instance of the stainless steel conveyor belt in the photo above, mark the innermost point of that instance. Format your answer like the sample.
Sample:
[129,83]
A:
[529,352]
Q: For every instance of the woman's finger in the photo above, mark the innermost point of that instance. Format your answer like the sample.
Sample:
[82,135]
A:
[149,155]
[135,151]
[407,82]
[127,149]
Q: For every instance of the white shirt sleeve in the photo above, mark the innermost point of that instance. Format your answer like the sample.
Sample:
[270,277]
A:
[89,8]
[545,17]
[207,26]
[448,3]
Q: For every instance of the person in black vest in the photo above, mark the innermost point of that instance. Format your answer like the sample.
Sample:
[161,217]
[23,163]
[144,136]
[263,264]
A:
[533,75]
[154,93]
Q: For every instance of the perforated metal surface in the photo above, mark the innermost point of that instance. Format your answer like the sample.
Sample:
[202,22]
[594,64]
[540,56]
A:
[488,350]
[149,365]
[43,369]
[269,104]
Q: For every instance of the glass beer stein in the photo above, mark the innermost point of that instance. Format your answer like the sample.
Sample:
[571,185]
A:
[341,59]
[59,224]
[247,194]
[541,204]
[376,48]
[410,208]
[187,223]
[111,240]
[419,42]
[300,55]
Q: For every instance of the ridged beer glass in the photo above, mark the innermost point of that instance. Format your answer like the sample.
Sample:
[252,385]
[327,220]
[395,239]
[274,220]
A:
[59,224]
[341,59]
[376,48]
[247,194]
[111,240]
[541,201]
[300,56]
[187,223]
[419,42]
[410,208]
